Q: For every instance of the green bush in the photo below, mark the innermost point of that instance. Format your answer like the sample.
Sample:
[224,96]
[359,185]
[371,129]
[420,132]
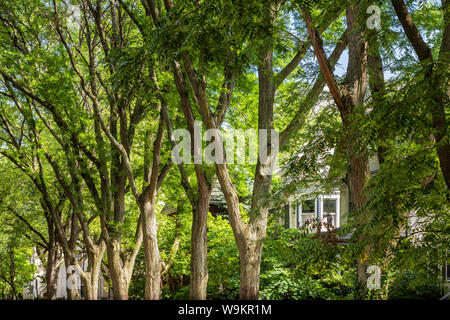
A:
[414,285]
[223,260]
[297,266]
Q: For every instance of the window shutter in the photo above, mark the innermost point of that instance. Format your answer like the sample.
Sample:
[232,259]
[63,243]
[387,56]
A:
[286,216]
[319,208]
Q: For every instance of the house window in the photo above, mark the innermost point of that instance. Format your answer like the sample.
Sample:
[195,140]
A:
[329,206]
[306,211]
[308,207]
[329,211]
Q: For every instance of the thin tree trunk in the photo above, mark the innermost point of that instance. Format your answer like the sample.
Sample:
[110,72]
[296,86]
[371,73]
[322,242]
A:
[12,273]
[377,84]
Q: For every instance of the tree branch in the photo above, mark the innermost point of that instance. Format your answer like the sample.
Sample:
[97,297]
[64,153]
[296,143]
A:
[323,61]
[422,49]
[313,96]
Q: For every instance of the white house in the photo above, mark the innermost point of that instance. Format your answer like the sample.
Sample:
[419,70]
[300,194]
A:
[333,209]
[37,287]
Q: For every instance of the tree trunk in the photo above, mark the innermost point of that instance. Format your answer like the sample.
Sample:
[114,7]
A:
[377,84]
[439,118]
[72,294]
[357,179]
[250,249]
[90,290]
[443,149]
[249,236]
[353,96]
[153,262]
[250,270]
[119,280]
[153,265]
[12,273]
[199,249]
[52,270]
[91,279]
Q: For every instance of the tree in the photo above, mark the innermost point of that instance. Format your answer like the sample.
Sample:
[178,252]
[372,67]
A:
[436,74]
[249,236]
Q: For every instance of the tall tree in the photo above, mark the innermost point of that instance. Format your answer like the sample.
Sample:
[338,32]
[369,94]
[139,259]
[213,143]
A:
[348,96]
[249,236]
